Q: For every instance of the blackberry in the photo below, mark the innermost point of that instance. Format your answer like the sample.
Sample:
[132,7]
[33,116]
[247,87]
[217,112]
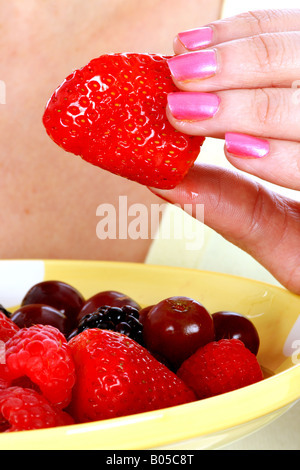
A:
[124,320]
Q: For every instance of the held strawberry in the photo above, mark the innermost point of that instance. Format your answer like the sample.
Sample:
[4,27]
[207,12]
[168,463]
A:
[112,113]
[115,377]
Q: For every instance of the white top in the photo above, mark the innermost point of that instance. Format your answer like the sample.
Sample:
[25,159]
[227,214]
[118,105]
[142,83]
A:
[216,254]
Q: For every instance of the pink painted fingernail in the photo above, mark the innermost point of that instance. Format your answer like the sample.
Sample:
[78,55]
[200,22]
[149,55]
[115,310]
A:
[193,65]
[193,106]
[194,39]
[242,145]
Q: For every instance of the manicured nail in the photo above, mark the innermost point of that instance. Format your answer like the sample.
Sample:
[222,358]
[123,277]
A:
[242,145]
[194,39]
[193,106]
[193,65]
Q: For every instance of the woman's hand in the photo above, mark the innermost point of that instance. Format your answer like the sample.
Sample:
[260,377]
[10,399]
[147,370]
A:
[238,80]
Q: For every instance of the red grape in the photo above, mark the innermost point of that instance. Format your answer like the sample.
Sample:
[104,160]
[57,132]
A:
[234,325]
[144,312]
[110,298]
[176,327]
[59,295]
[39,314]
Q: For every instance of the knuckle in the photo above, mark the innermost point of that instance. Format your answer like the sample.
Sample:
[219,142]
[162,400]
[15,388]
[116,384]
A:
[257,214]
[250,231]
[269,52]
[262,52]
[267,106]
[260,21]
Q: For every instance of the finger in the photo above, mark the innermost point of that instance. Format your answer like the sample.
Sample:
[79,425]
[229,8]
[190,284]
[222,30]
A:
[275,161]
[244,25]
[272,159]
[267,60]
[271,113]
[248,215]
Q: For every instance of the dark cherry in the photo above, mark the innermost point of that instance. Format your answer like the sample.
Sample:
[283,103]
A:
[144,312]
[176,327]
[108,297]
[59,295]
[35,314]
[234,325]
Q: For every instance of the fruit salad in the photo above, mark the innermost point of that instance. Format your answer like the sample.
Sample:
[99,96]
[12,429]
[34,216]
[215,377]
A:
[72,360]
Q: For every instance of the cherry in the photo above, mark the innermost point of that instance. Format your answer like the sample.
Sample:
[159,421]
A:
[144,312]
[39,314]
[234,325]
[176,327]
[59,295]
[110,298]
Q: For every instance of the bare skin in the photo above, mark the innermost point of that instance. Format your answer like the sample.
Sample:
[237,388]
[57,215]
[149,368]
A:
[48,198]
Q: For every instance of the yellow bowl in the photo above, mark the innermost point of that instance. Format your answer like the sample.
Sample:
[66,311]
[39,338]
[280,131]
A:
[206,424]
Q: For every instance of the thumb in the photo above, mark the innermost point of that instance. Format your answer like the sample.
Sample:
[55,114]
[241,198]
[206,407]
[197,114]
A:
[246,214]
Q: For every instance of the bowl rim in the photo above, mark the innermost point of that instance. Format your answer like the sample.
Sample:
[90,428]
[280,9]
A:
[109,433]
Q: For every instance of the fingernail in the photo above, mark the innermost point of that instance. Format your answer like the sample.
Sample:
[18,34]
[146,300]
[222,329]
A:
[242,145]
[192,106]
[194,39]
[193,65]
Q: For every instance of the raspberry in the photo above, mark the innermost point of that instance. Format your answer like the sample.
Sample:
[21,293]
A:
[23,409]
[220,367]
[3,383]
[40,357]
[7,327]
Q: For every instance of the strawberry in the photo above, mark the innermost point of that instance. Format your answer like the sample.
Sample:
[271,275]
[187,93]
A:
[112,113]
[7,327]
[116,376]
[220,367]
